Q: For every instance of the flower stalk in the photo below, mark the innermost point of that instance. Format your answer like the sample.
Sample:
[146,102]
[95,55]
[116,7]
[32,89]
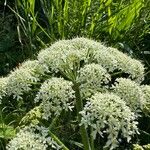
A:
[79,107]
[58,141]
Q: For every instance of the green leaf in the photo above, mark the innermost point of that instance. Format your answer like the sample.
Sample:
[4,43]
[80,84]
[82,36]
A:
[6,131]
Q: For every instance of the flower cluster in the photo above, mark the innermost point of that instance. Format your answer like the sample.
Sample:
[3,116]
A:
[128,65]
[32,138]
[130,92]
[146,92]
[21,79]
[103,57]
[82,49]
[3,86]
[35,67]
[67,55]
[112,59]
[91,77]
[107,113]
[59,56]
[56,95]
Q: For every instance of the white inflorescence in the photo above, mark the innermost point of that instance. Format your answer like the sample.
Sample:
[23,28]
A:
[146,92]
[36,68]
[3,86]
[33,138]
[130,92]
[57,56]
[56,95]
[19,82]
[107,113]
[128,65]
[21,79]
[90,51]
[105,58]
[64,55]
[112,59]
[91,77]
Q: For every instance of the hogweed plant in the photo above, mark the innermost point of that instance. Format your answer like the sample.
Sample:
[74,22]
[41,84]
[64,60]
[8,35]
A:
[98,86]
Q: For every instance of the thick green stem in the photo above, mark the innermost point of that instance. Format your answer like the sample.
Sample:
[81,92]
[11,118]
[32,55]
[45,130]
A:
[79,107]
[92,140]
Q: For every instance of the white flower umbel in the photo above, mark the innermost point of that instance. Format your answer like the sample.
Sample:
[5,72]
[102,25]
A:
[112,60]
[60,55]
[21,79]
[146,92]
[3,86]
[67,57]
[19,82]
[33,138]
[36,68]
[56,95]
[128,65]
[107,113]
[86,66]
[130,92]
[88,51]
[50,58]
[87,46]
[103,57]
[91,77]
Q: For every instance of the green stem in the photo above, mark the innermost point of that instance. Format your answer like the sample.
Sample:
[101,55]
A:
[54,136]
[53,123]
[92,140]
[116,73]
[79,107]
[58,141]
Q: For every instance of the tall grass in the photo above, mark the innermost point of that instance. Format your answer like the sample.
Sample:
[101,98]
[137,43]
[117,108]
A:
[44,21]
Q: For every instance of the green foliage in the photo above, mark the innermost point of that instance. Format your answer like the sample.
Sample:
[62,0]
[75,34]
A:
[7,132]
[72,85]
[66,18]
